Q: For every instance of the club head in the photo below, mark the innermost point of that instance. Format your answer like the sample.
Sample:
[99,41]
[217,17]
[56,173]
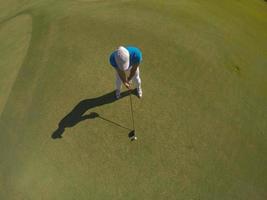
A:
[132,135]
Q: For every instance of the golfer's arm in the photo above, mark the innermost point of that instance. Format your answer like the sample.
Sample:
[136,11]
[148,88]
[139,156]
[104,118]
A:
[122,75]
[133,70]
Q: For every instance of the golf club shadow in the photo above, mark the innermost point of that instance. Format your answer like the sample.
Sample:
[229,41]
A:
[77,113]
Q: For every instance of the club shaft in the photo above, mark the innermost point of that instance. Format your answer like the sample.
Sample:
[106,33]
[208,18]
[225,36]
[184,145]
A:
[132,108]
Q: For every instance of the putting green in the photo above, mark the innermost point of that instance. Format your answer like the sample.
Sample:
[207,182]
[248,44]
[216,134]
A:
[201,125]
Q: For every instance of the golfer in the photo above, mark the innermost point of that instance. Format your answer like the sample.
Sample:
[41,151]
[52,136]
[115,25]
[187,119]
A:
[126,61]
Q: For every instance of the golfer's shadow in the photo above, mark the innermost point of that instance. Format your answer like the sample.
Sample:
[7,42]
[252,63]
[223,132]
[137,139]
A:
[78,112]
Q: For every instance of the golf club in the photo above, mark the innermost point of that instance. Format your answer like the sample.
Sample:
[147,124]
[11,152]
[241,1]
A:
[132,134]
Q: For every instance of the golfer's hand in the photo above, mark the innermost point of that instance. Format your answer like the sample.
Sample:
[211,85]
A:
[127,85]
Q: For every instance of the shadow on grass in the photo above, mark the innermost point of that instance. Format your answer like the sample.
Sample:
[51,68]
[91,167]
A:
[77,113]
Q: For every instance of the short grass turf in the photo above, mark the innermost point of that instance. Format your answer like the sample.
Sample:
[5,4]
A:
[201,125]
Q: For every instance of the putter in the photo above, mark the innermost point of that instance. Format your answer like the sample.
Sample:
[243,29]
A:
[132,134]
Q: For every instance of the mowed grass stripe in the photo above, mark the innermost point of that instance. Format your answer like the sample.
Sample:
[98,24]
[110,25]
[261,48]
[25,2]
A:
[15,39]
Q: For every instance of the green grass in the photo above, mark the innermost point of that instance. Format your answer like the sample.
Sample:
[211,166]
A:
[202,122]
